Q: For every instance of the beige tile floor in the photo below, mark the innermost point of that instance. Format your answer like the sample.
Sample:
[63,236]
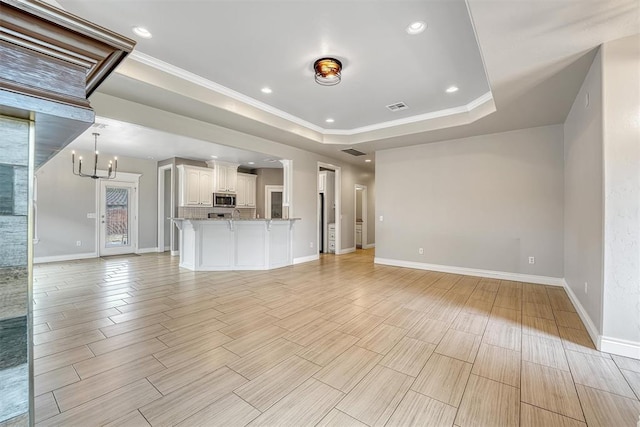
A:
[137,341]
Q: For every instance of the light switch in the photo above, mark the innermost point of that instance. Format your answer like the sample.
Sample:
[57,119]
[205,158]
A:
[381,218]
[91,215]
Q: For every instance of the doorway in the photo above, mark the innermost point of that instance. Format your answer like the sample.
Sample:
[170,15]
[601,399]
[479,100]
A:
[118,218]
[166,208]
[360,216]
[329,209]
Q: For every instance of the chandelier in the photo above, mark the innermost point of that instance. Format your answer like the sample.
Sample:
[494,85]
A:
[113,164]
[327,71]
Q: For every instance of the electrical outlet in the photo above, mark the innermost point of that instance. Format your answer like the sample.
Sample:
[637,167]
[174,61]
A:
[586,287]
[532,260]
[381,218]
[78,242]
[421,251]
[311,244]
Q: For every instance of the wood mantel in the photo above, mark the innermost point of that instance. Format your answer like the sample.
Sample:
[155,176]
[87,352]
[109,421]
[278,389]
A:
[50,63]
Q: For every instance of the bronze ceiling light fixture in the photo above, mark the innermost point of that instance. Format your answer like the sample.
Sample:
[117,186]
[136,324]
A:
[328,71]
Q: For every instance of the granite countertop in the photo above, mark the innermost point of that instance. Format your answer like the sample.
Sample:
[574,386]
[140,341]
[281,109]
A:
[235,219]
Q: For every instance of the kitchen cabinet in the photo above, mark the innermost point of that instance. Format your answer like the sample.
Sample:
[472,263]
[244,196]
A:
[226,176]
[246,190]
[196,186]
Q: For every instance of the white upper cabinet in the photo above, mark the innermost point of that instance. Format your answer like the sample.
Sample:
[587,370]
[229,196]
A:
[246,190]
[196,186]
[226,176]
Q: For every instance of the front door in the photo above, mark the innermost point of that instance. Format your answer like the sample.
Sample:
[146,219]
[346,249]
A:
[118,218]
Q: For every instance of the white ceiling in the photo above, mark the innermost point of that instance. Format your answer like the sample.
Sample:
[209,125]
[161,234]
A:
[118,138]
[209,59]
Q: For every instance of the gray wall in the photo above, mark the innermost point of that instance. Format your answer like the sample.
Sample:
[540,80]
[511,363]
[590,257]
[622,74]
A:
[64,200]
[485,202]
[621,152]
[265,176]
[583,221]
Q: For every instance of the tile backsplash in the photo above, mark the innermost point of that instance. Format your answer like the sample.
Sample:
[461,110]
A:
[203,213]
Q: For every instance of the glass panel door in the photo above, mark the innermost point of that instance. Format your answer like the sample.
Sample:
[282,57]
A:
[117,218]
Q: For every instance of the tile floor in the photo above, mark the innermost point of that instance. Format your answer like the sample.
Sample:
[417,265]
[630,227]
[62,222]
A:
[137,341]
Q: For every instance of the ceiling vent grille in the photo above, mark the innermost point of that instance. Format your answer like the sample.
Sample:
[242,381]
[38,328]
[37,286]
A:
[97,125]
[398,106]
[354,152]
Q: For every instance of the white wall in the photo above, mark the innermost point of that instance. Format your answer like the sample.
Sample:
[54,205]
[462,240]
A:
[485,202]
[583,218]
[64,200]
[621,152]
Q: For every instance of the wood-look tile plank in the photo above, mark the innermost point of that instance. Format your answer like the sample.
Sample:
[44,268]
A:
[186,401]
[83,391]
[579,340]
[45,407]
[250,342]
[537,310]
[568,319]
[542,328]
[543,351]
[345,314]
[382,338]
[559,300]
[271,386]
[429,330]
[375,398]
[311,332]
[530,416]
[305,406]
[53,347]
[327,348]
[337,418]
[503,334]
[459,345]
[175,355]
[602,409]
[123,340]
[240,328]
[62,359]
[404,318]
[132,419]
[633,378]
[264,358]
[228,411]
[102,363]
[55,379]
[498,364]
[132,325]
[189,333]
[408,356]
[598,372]
[361,325]
[627,363]
[470,323]
[299,319]
[108,407]
[443,378]
[419,410]
[193,319]
[488,403]
[57,334]
[550,389]
[344,372]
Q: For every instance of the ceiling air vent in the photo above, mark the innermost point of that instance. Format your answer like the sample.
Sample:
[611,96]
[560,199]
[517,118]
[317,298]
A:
[398,106]
[354,152]
[97,125]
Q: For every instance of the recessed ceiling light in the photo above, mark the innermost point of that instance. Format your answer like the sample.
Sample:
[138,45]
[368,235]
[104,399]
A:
[452,89]
[416,28]
[367,161]
[251,163]
[214,157]
[266,90]
[329,120]
[142,32]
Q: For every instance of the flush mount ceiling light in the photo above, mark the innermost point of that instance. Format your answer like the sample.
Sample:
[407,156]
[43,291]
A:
[327,71]
[368,161]
[452,89]
[329,120]
[266,90]
[416,28]
[142,32]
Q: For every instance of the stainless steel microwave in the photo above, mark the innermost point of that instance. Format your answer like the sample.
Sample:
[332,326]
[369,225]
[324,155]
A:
[224,200]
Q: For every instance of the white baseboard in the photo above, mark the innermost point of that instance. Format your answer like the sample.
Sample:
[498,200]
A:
[303,259]
[146,250]
[369,246]
[346,251]
[584,316]
[490,274]
[175,253]
[60,258]
[621,347]
[167,248]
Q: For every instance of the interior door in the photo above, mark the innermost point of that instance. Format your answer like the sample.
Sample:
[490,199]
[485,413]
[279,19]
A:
[118,218]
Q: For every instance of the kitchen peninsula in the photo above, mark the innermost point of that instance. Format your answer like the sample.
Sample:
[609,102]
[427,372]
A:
[218,244]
